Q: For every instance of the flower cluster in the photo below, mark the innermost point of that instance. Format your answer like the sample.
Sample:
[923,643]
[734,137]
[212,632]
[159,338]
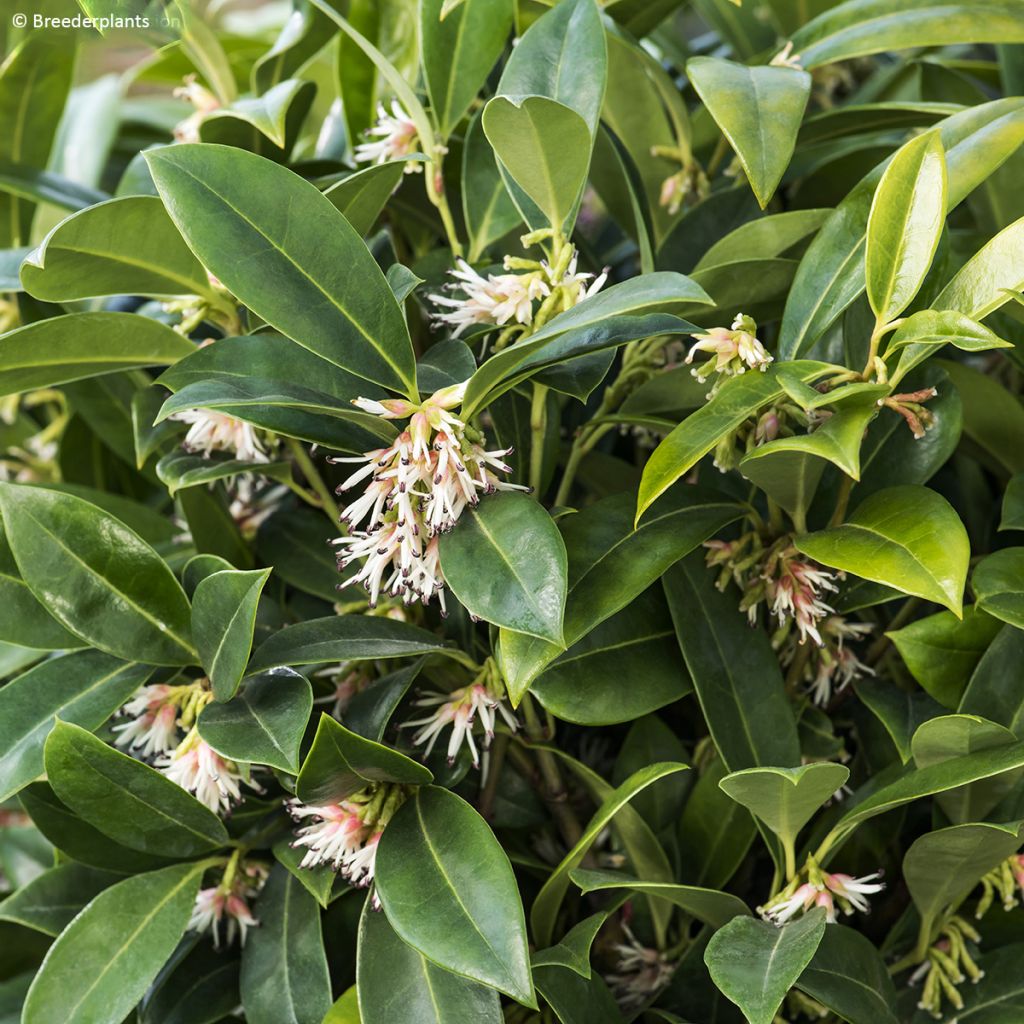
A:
[417,488]
[1007,880]
[229,902]
[948,963]
[395,138]
[498,300]
[822,889]
[211,431]
[203,100]
[344,835]
[153,721]
[731,351]
[640,972]
[830,668]
[481,701]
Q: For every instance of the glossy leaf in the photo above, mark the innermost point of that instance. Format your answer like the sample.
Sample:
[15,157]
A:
[905,537]
[223,619]
[904,225]
[307,272]
[755,964]
[759,110]
[362,196]
[395,980]
[785,799]
[104,961]
[284,976]
[341,762]
[179,469]
[127,602]
[487,207]
[999,586]
[50,902]
[990,692]
[459,906]
[83,688]
[506,563]
[264,723]
[125,799]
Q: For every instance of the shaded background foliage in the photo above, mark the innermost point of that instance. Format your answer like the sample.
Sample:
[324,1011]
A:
[670,761]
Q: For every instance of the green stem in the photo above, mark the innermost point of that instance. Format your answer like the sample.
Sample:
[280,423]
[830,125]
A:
[789,853]
[538,429]
[436,193]
[497,761]
[316,481]
[581,446]
[842,501]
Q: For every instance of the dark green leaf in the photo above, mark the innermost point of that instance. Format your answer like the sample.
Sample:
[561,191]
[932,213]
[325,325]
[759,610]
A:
[50,902]
[999,586]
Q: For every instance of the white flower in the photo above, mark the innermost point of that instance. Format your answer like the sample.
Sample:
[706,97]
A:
[838,665]
[640,972]
[212,431]
[733,351]
[796,592]
[348,679]
[202,99]
[460,709]
[412,491]
[824,890]
[152,725]
[396,138]
[212,906]
[786,58]
[198,768]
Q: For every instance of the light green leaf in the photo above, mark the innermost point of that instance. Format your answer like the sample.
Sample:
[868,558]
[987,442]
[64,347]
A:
[288,254]
[472,921]
[506,563]
[759,110]
[908,537]
[904,225]
[104,961]
[264,723]
[223,619]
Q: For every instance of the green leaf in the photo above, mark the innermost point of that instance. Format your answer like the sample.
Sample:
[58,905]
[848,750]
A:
[764,238]
[127,800]
[506,563]
[861,27]
[831,273]
[80,345]
[545,147]
[943,866]
[546,905]
[905,537]
[785,799]
[904,225]
[584,685]
[941,651]
[179,469]
[126,600]
[946,737]
[370,710]
[735,672]
[755,964]
[472,922]
[999,586]
[921,336]
[289,255]
[223,619]
[849,976]
[106,958]
[708,905]
[276,116]
[50,902]
[610,564]
[341,762]
[361,196]
[318,881]
[264,724]
[396,982]
[125,246]
[577,1000]
[459,52]
[573,950]
[759,110]
[488,209]
[733,403]
[83,688]
[199,989]
[992,691]
[343,638]
[1013,504]
[284,976]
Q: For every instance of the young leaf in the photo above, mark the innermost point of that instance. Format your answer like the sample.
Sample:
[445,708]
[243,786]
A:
[106,958]
[287,253]
[126,600]
[127,800]
[223,619]
[905,537]
[905,224]
[755,964]
[759,110]
[341,763]
[506,563]
[396,981]
[264,723]
[473,922]
[83,688]
[284,976]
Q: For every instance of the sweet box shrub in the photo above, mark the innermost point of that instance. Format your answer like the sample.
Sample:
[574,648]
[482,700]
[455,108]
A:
[510,512]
